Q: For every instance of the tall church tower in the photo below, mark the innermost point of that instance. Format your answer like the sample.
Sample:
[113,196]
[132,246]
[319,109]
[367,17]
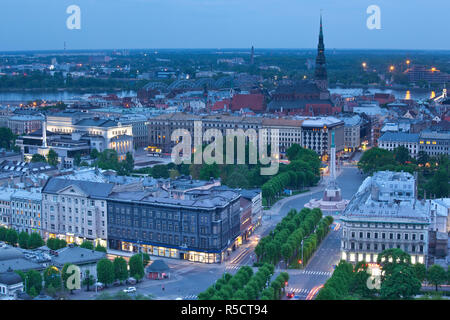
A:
[252,56]
[320,74]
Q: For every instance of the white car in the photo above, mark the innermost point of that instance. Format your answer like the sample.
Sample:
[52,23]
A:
[129,290]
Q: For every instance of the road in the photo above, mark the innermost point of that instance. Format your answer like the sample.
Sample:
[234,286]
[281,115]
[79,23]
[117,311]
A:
[188,279]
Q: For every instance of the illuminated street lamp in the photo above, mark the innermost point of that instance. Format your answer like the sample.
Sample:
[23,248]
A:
[408,62]
[364,65]
[391,68]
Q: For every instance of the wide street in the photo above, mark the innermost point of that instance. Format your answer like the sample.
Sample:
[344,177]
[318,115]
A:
[188,279]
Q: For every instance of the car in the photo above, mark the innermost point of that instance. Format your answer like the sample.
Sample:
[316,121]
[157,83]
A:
[98,286]
[129,290]
[290,295]
[117,283]
[131,280]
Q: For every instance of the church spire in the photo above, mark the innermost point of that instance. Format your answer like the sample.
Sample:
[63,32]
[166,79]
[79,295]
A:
[320,73]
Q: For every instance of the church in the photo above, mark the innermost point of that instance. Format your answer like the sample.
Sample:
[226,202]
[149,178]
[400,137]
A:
[306,97]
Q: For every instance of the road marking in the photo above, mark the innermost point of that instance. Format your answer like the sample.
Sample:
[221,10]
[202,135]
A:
[232,267]
[317,273]
[299,290]
[190,297]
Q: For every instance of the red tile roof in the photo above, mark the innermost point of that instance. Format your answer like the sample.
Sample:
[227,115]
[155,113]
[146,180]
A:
[254,102]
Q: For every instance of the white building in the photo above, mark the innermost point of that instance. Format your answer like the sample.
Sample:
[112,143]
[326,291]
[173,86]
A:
[392,140]
[75,210]
[440,212]
[385,214]
[26,210]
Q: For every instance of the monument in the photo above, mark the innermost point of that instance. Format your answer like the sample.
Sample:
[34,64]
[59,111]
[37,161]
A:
[332,197]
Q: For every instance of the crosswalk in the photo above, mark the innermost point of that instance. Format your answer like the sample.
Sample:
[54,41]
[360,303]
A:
[232,267]
[316,273]
[299,291]
[190,297]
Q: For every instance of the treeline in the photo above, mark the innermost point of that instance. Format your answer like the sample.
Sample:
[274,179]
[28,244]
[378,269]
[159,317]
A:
[285,241]
[433,174]
[108,160]
[302,171]
[400,279]
[244,285]
[23,239]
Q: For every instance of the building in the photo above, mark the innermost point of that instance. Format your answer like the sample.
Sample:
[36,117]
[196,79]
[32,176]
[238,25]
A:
[440,215]
[391,140]
[139,125]
[83,258]
[24,124]
[5,206]
[316,134]
[418,73]
[158,270]
[26,211]
[11,284]
[352,133]
[75,210]
[383,214]
[435,143]
[101,133]
[201,230]
[306,97]
[289,132]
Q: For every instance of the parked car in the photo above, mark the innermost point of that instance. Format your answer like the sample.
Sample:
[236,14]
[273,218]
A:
[98,286]
[129,290]
[131,280]
[290,295]
[117,283]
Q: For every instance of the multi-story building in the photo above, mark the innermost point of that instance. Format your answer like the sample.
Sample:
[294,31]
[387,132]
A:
[102,133]
[26,211]
[204,229]
[289,131]
[75,210]
[5,206]
[435,143]
[384,213]
[20,124]
[391,140]
[316,134]
[440,215]
[139,124]
[352,133]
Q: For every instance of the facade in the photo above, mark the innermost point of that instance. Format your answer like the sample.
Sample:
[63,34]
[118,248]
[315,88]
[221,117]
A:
[316,134]
[435,143]
[139,125]
[24,124]
[102,133]
[289,132]
[352,133]
[391,140]
[384,214]
[26,214]
[440,213]
[75,210]
[201,230]
[5,206]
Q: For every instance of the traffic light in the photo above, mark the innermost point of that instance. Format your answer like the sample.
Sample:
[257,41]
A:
[285,283]
[300,261]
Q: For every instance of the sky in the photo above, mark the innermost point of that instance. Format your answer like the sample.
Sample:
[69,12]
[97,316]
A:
[141,24]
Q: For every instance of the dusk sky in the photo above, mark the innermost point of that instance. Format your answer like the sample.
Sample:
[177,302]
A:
[115,24]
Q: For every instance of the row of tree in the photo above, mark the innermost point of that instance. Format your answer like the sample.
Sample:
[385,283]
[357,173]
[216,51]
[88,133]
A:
[399,279]
[275,289]
[285,241]
[302,171]
[244,285]
[25,240]
[118,270]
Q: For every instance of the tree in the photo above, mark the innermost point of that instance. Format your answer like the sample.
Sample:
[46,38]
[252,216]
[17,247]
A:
[438,185]
[35,241]
[23,240]
[286,252]
[100,248]
[136,267]
[52,277]
[3,233]
[33,281]
[52,158]
[12,237]
[105,271]
[94,154]
[401,154]
[88,280]
[120,269]
[145,259]
[421,271]
[87,245]
[38,158]
[7,138]
[436,275]
[401,283]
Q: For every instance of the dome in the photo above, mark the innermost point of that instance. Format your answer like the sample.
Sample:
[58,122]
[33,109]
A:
[10,278]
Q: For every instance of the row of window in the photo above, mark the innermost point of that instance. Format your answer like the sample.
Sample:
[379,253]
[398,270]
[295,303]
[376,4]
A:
[382,247]
[384,235]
